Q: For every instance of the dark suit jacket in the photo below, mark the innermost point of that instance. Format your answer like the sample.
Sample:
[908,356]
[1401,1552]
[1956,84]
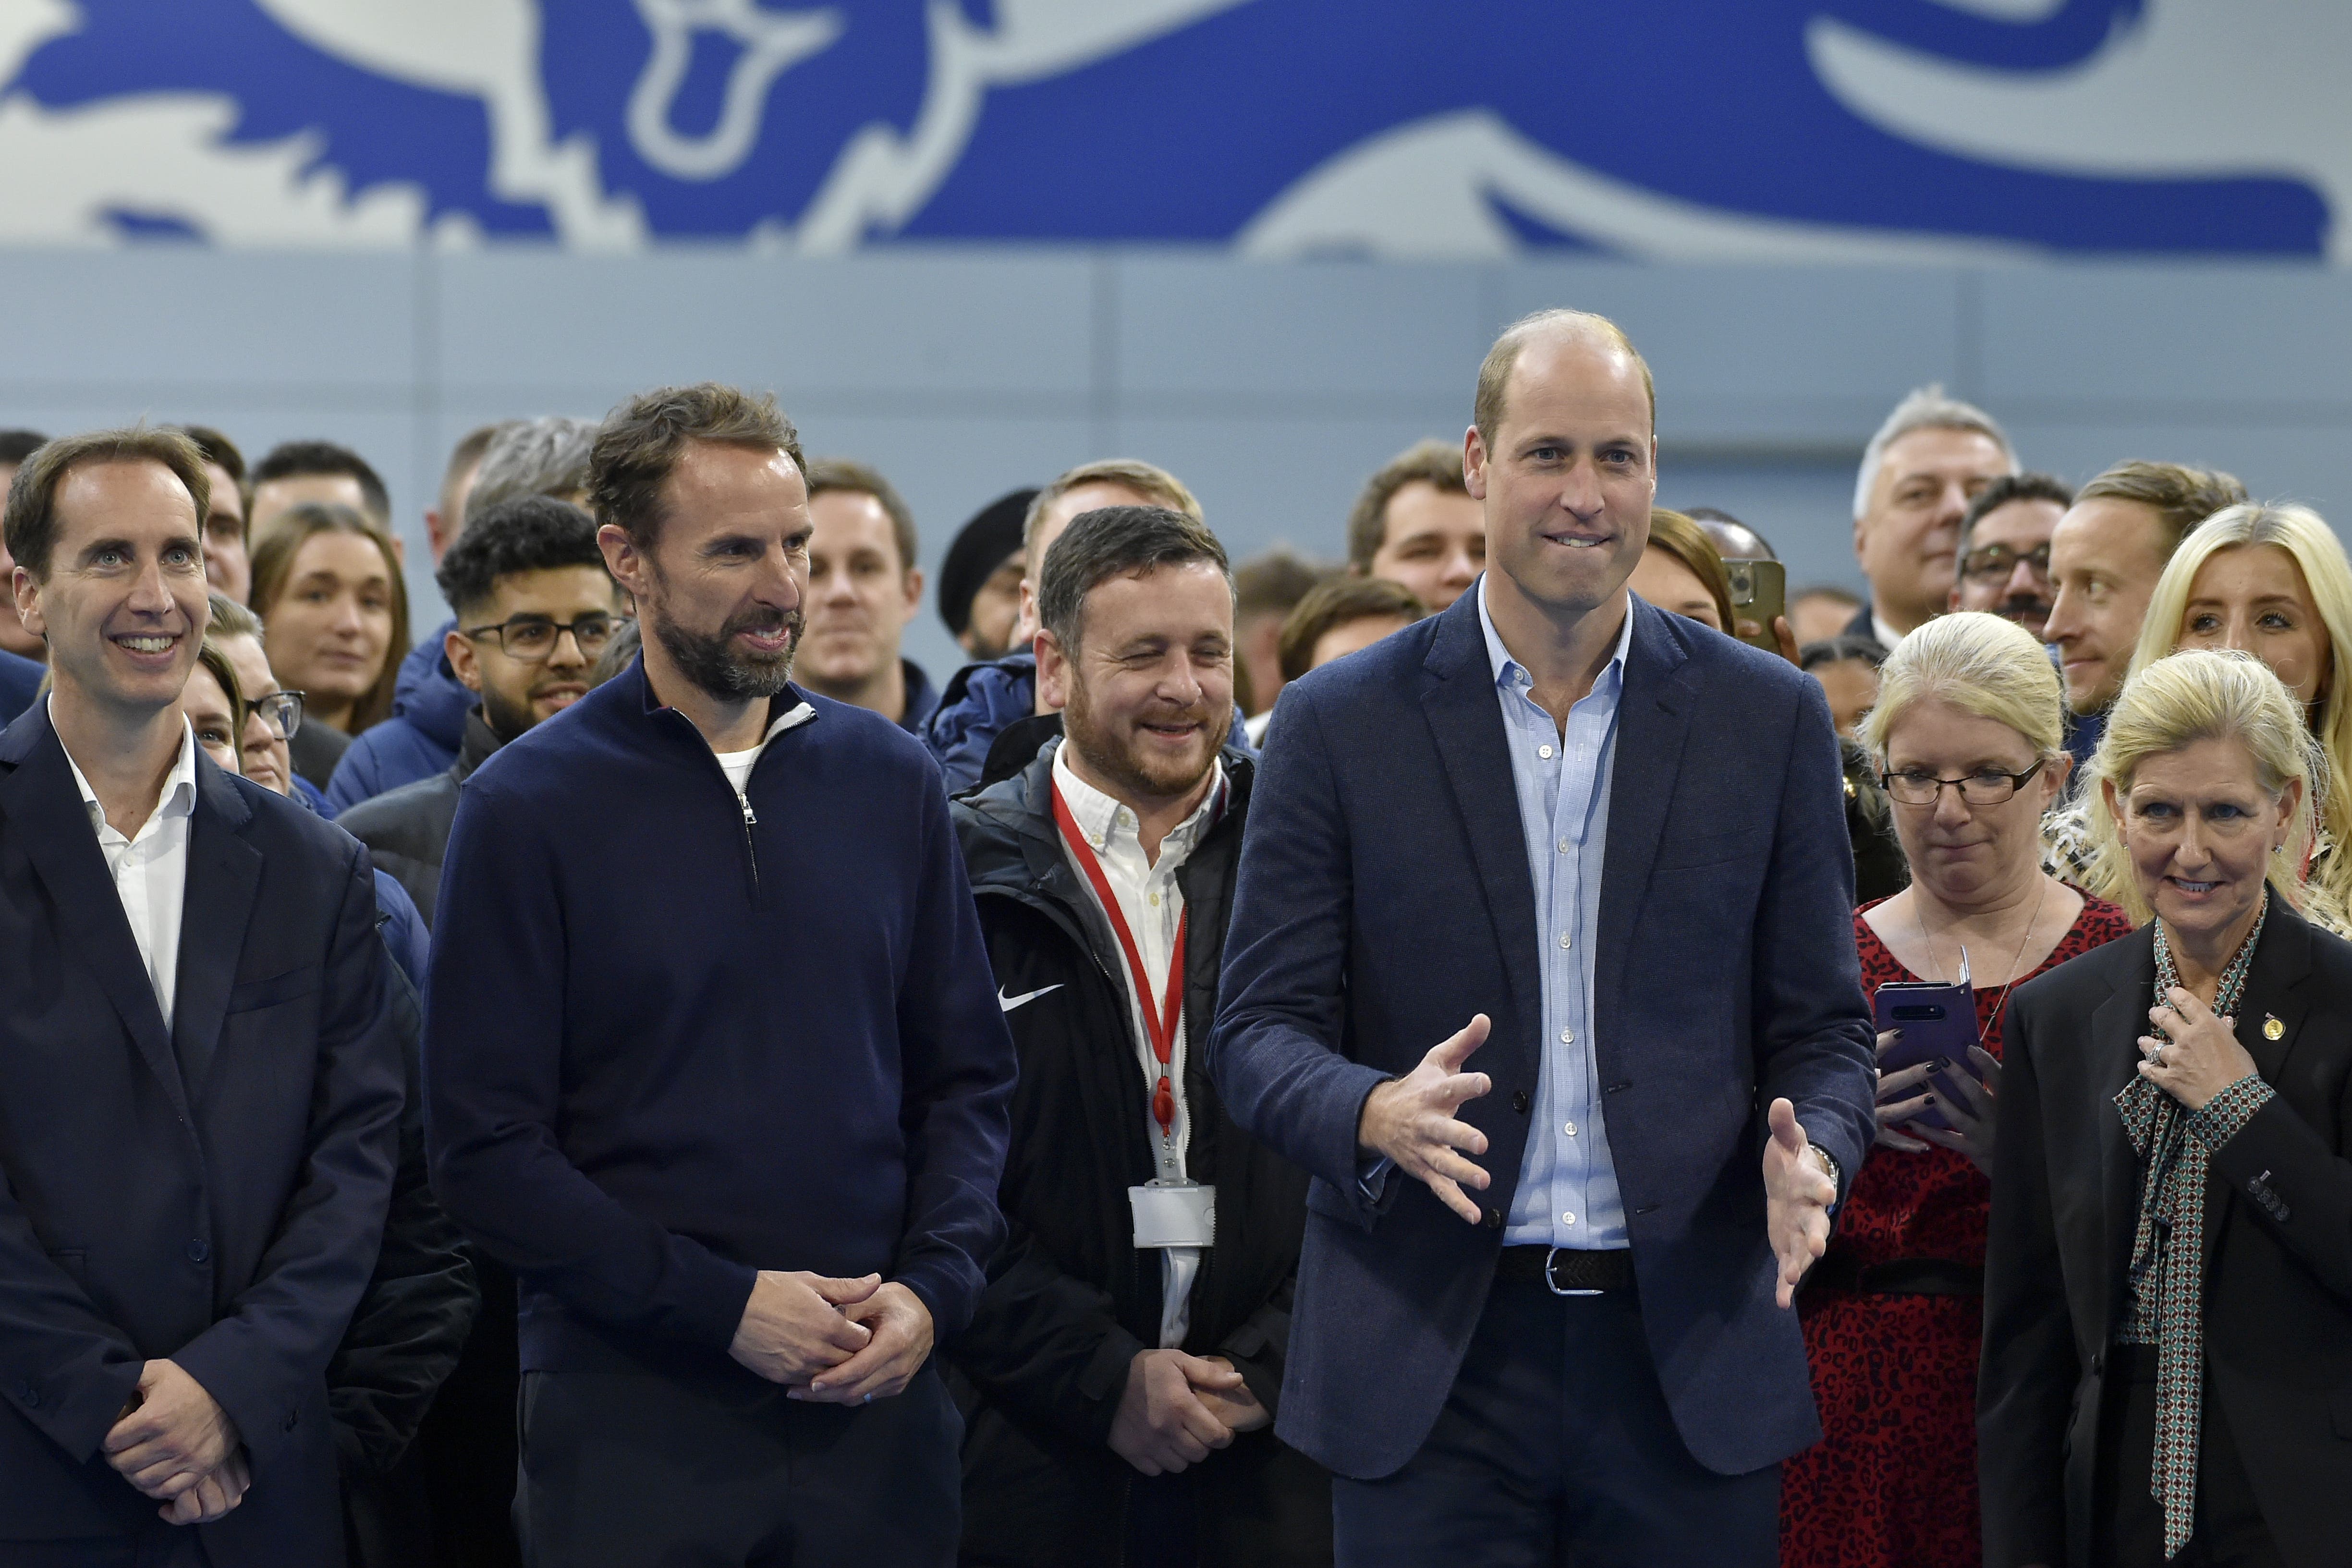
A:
[20,682]
[1384,898]
[211,1190]
[2278,1216]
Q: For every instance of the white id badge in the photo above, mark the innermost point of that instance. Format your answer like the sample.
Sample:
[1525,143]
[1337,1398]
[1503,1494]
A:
[1181,1215]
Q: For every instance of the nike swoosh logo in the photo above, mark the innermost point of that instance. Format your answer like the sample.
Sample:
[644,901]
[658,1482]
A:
[1009,1003]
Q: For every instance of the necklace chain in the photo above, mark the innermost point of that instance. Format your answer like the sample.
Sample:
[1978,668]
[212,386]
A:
[2015,958]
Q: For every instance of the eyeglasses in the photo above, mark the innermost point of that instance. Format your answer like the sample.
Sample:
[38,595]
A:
[1993,564]
[1986,786]
[283,710]
[531,639]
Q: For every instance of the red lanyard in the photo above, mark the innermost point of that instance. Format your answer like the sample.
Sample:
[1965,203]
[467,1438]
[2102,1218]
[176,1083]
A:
[1159,1022]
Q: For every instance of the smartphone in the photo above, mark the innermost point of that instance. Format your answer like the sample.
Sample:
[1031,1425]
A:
[1760,595]
[1938,1020]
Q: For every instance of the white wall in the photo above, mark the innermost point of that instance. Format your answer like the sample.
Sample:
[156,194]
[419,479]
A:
[1271,389]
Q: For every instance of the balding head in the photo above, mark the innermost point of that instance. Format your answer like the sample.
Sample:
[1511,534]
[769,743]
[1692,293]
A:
[1563,327]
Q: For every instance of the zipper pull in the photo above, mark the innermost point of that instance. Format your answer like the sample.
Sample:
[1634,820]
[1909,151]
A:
[750,818]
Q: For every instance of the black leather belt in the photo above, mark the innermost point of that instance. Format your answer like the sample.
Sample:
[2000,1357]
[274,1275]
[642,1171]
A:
[1567,1269]
[1904,1277]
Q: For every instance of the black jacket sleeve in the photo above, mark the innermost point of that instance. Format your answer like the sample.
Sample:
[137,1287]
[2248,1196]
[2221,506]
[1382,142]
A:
[1047,1345]
[2026,1380]
[420,1303]
[2310,1187]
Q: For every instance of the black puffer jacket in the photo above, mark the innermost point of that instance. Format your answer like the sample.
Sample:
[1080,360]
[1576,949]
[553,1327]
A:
[403,1341]
[1070,1301]
[406,830]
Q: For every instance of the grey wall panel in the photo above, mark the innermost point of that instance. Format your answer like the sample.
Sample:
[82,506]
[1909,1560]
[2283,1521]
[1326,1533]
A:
[886,328]
[2189,341]
[331,331]
[1204,330]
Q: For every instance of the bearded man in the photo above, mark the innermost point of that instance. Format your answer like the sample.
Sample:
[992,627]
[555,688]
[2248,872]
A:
[716,1063]
[1127,1358]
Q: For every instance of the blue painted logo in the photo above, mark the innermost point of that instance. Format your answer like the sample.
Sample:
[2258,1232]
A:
[1805,129]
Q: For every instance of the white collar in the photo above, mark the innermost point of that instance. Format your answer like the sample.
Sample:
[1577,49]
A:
[793,718]
[1887,636]
[178,798]
[1101,818]
[1510,672]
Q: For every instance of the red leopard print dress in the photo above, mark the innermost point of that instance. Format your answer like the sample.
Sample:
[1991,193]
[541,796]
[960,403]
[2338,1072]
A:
[1892,1484]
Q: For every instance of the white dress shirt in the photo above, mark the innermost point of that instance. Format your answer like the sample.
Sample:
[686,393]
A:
[1153,904]
[151,870]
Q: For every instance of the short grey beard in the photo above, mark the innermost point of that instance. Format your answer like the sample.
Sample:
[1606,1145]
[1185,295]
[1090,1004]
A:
[709,662]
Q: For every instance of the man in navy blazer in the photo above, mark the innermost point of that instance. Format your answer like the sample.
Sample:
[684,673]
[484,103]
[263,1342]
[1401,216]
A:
[199,1085]
[1601,847]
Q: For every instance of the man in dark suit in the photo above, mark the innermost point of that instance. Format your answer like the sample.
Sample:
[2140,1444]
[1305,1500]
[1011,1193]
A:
[200,1083]
[1606,845]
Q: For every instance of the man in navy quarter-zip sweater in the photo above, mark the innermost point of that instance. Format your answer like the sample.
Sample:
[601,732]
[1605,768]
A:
[714,1057]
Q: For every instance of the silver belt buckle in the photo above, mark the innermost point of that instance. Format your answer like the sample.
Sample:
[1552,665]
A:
[1552,1281]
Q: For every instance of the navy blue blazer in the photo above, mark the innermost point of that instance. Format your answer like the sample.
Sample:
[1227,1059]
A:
[20,682]
[1385,897]
[210,1190]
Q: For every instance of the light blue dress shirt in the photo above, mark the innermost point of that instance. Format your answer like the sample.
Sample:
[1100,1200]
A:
[1568,1193]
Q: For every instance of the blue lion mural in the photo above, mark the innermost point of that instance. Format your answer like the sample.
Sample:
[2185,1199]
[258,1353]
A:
[1809,128]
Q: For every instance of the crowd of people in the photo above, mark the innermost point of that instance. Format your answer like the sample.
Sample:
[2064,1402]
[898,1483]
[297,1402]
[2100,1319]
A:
[1267,1063]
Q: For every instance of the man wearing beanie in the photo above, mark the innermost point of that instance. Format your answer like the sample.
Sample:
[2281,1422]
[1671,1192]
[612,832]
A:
[980,581]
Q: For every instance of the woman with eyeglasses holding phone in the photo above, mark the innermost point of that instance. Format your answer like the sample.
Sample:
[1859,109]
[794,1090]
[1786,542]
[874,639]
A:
[1966,734]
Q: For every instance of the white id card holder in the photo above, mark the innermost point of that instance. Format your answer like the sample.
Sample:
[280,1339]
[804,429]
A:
[1181,1214]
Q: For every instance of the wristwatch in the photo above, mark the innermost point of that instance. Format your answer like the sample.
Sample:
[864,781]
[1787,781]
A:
[1831,1166]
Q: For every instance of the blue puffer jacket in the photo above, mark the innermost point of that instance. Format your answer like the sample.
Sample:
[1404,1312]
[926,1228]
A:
[421,737]
[979,702]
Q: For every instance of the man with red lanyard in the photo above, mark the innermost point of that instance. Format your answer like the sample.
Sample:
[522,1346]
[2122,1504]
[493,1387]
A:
[1127,1355]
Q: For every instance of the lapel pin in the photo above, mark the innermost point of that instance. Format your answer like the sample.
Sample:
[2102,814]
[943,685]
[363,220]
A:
[2272,1027]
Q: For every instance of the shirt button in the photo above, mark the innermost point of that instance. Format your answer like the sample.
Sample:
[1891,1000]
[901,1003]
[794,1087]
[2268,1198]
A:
[1155,901]
[1568,1220]
[1568,1037]
[1567,939]
[198,1251]
[1543,751]
[1563,846]
[1572,1129]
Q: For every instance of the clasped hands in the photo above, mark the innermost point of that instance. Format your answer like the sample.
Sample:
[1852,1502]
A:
[1410,1121]
[1176,1409]
[175,1444]
[832,1342]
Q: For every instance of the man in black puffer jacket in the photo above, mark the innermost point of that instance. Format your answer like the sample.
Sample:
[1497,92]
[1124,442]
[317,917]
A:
[1119,1386]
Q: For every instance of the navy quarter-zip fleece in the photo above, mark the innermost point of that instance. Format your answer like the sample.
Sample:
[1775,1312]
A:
[671,1041]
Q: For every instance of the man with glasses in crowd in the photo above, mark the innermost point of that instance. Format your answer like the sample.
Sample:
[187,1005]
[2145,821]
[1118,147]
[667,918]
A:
[2004,551]
[535,606]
